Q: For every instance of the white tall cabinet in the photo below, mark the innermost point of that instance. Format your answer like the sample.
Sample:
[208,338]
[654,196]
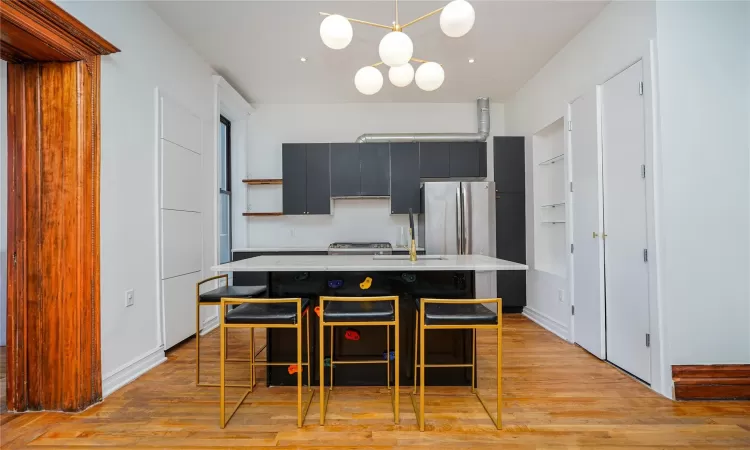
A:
[609,222]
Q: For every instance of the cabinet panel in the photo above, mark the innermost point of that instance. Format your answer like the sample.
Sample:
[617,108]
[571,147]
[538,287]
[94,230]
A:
[405,178]
[510,226]
[464,159]
[434,160]
[374,169]
[345,173]
[318,179]
[510,164]
[511,287]
[482,155]
[294,173]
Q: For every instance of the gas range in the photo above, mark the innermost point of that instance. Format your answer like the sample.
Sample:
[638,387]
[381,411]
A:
[360,248]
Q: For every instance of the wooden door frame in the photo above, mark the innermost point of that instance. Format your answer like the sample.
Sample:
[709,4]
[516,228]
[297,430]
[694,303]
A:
[53,56]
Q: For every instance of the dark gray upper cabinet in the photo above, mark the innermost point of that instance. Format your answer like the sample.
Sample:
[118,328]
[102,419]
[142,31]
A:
[345,178]
[468,159]
[510,164]
[434,160]
[318,179]
[405,178]
[306,175]
[294,173]
[374,169]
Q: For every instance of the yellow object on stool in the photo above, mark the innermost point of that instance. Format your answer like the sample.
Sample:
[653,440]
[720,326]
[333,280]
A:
[366,284]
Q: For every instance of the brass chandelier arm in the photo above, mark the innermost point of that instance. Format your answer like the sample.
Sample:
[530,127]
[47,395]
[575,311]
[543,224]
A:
[363,22]
[429,14]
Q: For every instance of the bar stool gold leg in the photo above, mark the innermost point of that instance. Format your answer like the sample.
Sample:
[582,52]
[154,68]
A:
[421,368]
[252,359]
[197,338]
[331,327]
[299,367]
[388,357]
[309,363]
[397,391]
[416,350]
[499,423]
[321,371]
[473,360]
[222,337]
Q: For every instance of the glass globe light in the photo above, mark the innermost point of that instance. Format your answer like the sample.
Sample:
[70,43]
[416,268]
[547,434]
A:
[336,32]
[429,76]
[368,80]
[396,49]
[401,76]
[457,18]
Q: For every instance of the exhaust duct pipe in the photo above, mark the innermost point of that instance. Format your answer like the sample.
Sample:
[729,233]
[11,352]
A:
[483,117]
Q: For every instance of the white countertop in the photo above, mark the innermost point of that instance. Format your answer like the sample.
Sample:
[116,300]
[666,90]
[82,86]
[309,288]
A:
[307,249]
[357,263]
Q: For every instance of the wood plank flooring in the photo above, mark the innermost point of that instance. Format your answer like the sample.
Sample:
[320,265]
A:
[555,396]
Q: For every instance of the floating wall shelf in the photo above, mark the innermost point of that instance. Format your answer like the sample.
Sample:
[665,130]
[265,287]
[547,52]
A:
[263,181]
[262,214]
[552,160]
[553,222]
[553,205]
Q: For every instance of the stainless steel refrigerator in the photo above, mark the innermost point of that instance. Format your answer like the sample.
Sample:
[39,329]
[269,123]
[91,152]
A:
[458,218]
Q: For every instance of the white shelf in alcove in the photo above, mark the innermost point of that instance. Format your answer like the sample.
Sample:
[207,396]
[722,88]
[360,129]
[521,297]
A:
[553,222]
[553,205]
[552,160]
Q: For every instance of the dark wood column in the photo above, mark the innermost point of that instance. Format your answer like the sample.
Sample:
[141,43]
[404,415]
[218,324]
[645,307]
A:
[54,351]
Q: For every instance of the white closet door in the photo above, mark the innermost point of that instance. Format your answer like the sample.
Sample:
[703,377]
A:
[588,254]
[626,272]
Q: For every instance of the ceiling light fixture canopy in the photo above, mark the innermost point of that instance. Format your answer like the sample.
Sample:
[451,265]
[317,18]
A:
[396,49]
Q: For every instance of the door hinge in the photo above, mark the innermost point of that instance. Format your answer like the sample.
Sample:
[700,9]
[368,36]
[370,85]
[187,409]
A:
[648,340]
[640,88]
[572,310]
[570,125]
[572,246]
[571,186]
[645,255]
[643,171]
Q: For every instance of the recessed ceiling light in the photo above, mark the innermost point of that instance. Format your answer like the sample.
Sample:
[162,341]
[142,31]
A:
[303,59]
[471,60]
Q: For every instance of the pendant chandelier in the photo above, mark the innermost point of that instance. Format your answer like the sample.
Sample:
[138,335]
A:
[396,48]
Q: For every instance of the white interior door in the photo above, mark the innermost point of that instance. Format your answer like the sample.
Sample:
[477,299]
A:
[625,227]
[588,252]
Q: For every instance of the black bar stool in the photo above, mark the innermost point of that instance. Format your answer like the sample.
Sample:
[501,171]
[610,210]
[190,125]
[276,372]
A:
[267,313]
[359,311]
[213,298]
[457,314]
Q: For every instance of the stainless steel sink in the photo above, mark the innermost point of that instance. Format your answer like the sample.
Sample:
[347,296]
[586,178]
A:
[406,257]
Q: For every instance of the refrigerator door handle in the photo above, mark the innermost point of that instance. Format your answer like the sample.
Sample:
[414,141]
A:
[459,220]
[466,219]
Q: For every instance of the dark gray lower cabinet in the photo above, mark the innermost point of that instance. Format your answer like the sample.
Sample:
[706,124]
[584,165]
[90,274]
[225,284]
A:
[374,170]
[318,179]
[294,172]
[405,178]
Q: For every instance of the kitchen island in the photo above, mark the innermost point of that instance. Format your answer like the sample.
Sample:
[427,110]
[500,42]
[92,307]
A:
[310,276]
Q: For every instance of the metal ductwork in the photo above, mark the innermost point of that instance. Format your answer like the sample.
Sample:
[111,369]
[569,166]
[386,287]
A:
[483,117]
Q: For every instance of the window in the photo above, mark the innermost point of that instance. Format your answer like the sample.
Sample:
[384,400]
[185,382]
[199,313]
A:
[225,190]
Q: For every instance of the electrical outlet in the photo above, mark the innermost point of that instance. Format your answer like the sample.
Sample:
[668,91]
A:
[560,295]
[129,297]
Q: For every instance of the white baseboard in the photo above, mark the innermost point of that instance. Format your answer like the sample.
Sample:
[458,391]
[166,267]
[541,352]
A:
[546,322]
[210,324]
[132,370]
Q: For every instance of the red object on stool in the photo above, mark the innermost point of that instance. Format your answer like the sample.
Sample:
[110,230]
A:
[292,369]
[352,334]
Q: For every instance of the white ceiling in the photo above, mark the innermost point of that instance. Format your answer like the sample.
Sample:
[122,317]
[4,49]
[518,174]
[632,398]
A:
[257,45]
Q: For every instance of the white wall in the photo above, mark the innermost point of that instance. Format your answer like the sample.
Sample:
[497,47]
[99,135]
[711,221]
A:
[3,199]
[612,41]
[704,71]
[151,56]
[357,220]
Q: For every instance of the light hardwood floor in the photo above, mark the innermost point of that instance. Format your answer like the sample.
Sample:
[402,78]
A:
[555,396]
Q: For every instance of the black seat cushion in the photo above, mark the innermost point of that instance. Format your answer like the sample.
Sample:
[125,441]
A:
[457,314]
[232,292]
[265,313]
[379,311]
